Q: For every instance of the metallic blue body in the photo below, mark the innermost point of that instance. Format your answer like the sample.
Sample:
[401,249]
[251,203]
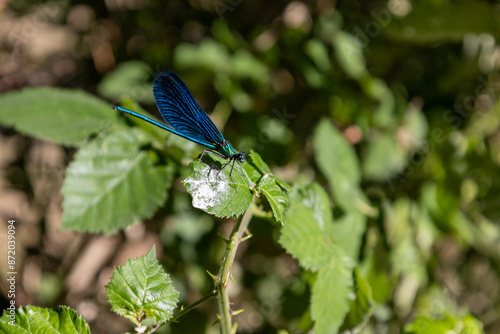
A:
[185,117]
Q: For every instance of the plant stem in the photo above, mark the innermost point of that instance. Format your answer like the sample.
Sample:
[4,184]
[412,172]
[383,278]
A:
[225,270]
[180,313]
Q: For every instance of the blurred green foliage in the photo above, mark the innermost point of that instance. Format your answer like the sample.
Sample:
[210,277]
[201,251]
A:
[383,115]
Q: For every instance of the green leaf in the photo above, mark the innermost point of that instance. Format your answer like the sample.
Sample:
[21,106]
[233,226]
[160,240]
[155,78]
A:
[112,183]
[348,50]
[437,22]
[414,127]
[332,293]
[255,163]
[383,158]
[361,307]
[275,195]
[316,199]
[206,54]
[212,189]
[272,187]
[32,319]
[62,116]
[335,156]
[348,232]
[302,237]
[378,274]
[338,162]
[128,79]
[450,324]
[472,325]
[318,52]
[303,234]
[140,289]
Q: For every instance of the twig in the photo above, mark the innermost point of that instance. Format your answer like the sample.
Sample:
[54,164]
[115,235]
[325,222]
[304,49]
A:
[225,270]
[181,312]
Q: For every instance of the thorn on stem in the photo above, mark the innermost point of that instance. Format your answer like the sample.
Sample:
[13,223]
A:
[226,240]
[215,278]
[233,313]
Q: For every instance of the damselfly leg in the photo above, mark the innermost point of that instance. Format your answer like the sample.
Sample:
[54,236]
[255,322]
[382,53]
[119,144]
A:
[223,166]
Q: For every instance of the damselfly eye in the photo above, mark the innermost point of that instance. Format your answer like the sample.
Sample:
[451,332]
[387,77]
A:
[241,157]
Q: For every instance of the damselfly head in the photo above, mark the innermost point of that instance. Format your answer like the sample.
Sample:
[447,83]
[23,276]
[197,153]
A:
[240,157]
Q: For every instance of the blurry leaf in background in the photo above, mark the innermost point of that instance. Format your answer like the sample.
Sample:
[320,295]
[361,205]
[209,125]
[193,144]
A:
[189,226]
[414,129]
[111,183]
[130,80]
[49,288]
[215,57]
[213,190]
[275,131]
[246,66]
[450,324]
[405,257]
[227,36]
[32,319]
[63,116]
[376,268]
[433,22]
[334,155]
[319,54]
[140,289]
[349,52]
[443,206]
[384,158]
[348,232]
[361,307]
[208,54]
[338,161]
[375,88]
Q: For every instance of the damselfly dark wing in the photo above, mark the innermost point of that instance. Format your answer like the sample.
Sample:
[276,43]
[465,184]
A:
[181,111]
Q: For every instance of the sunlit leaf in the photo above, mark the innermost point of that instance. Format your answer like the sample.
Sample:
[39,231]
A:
[449,324]
[303,237]
[349,52]
[140,289]
[62,116]
[32,319]
[275,195]
[128,79]
[318,53]
[383,158]
[414,128]
[361,307]
[338,162]
[348,232]
[208,54]
[112,183]
[332,293]
[317,200]
[272,187]
[212,189]
[255,161]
